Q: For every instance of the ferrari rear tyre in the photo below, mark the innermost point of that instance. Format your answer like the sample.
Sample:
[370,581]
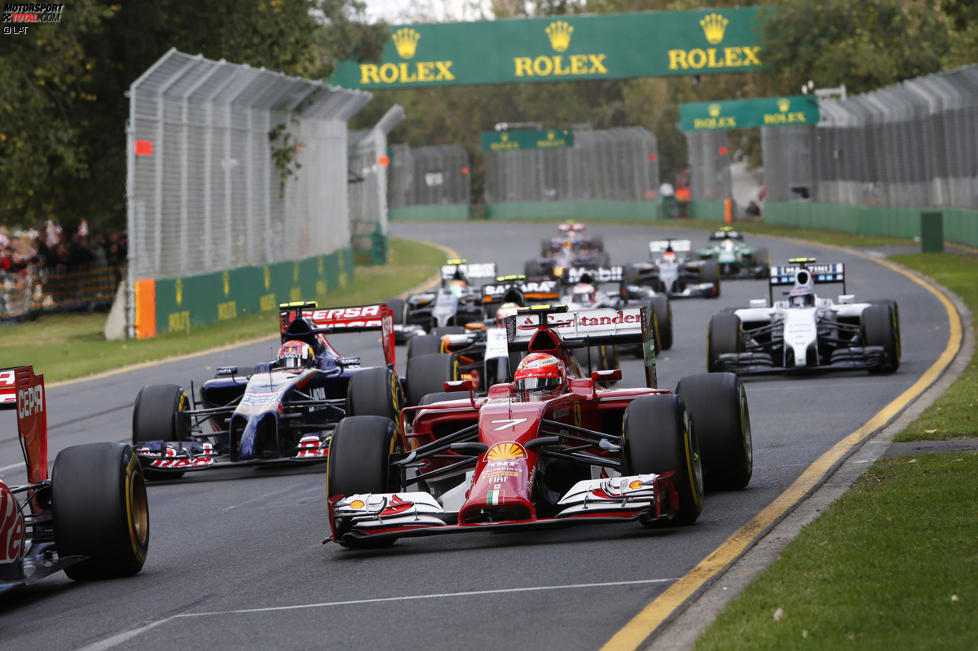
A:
[423,345]
[428,374]
[657,439]
[158,414]
[710,273]
[717,405]
[360,462]
[723,335]
[881,327]
[100,510]
[663,314]
[374,392]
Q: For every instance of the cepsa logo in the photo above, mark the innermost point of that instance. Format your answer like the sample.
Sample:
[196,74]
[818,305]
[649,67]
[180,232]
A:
[30,401]
[362,316]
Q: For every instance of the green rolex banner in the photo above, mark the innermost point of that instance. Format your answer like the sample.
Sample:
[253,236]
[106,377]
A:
[739,114]
[524,139]
[607,46]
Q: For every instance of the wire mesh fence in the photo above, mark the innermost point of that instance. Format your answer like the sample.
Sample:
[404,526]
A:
[612,164]
[910,145]
[709,165]
[231,166]
[429,176]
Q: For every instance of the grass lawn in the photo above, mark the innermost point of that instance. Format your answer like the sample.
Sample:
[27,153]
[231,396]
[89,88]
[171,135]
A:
[64,346]
[894,563]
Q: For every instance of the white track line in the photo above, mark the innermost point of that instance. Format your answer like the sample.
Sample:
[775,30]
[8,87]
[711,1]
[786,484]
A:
[123,637]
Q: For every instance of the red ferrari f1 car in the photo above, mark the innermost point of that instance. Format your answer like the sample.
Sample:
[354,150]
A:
[549,449]
[90,518]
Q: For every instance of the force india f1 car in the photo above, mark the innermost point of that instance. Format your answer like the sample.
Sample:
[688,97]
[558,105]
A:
[671,271]
[550,449]
[89,518]
[806,333]
[735,258]
[455,302]
[283,410]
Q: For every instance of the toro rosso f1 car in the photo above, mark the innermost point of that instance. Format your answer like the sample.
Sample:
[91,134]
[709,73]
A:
[806,333]
[282,410]
[550,449]
[89,518]
[671,272]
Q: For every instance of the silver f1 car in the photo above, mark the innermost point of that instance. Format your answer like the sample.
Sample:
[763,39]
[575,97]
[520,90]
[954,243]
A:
[457,301]
[672,272]
[806,333]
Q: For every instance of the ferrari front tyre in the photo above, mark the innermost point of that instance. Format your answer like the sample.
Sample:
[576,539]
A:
[657,439]
[423,345]
[99,510]
[663,314]
[374,392]
[428,374]
[717,405]
[159,414]
[710,273]
[881,327]
[723,335]
[360,462]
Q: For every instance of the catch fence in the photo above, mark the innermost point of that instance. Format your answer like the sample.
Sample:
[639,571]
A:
[612,164]
[910,145]
[434,175]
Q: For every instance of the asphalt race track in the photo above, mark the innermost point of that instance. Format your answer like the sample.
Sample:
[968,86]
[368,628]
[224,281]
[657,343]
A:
[236,556]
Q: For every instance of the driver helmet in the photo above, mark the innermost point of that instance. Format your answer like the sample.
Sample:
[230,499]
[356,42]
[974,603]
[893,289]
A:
[456,287]
[296,354]
[584,293]
[505,311]
[801,296]
[540,376]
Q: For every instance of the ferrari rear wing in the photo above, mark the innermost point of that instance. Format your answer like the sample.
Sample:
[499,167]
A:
[545,328]
[351,318]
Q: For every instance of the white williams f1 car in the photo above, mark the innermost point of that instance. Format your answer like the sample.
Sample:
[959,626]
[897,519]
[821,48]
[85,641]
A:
[806,333]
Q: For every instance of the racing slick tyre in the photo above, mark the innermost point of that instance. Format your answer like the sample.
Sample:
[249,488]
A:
[597,243]
[428,374]
[762,259]
[423,345]
[157,414]
[546,247]
[360,462]
[881,327]
[374,392]
[603,358]
[629,275]
[663,316]
[99,510]
[603,259]
[657,439]
[710,273]
[535,269]
[398,310]
[717,405]
[441,396]
[723,335]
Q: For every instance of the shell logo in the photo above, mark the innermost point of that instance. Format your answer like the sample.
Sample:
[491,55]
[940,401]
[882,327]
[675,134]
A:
[505,451]
[357,504]
[635,484]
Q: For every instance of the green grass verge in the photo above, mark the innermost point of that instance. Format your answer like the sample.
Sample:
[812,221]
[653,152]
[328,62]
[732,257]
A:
[954,415]
[64,346]
[892,565]
[836,238]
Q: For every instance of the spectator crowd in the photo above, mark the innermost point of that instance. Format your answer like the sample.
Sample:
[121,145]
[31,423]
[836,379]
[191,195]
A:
[49,249]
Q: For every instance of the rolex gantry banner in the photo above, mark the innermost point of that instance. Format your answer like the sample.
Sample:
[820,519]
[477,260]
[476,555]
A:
[610,46]
[758,112]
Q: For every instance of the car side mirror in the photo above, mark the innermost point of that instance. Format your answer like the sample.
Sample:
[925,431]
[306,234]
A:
[459,385]
[612,375]
[846,298]
[758,302]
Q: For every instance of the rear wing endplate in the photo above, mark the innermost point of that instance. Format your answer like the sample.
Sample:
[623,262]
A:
[20,389]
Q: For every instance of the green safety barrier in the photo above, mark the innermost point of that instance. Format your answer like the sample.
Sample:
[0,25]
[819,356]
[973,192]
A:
[370,248]
[574,209]
[185,303]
